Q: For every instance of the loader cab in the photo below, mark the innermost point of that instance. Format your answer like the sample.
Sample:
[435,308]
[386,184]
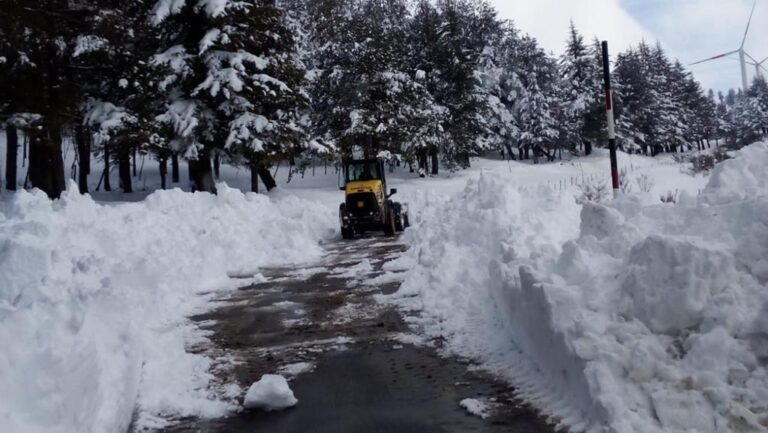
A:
[369,174]
[365,170]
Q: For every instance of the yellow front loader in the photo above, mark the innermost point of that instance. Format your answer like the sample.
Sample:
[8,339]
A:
[367,205]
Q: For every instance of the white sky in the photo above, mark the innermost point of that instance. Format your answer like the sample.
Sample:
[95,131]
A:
[690,30]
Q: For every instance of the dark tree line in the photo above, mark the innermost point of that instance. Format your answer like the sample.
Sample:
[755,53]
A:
[205,81]
[253,82]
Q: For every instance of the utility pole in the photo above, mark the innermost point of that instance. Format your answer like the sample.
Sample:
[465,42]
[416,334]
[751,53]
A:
[611,121]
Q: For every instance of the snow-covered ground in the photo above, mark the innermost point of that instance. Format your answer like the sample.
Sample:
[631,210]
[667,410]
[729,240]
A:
[93,299]
[630,315]
[563,300]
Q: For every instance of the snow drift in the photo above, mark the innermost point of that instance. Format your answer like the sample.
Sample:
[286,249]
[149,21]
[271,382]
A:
[93,299]
[640,318]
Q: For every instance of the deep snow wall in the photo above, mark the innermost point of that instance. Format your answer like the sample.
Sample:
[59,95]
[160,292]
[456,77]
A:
[93,299]
[616,317]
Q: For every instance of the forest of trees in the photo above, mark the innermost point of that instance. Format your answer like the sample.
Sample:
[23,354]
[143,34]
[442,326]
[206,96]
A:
[254,82]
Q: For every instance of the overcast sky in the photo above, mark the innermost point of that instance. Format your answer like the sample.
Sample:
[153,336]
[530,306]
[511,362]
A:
[689,30]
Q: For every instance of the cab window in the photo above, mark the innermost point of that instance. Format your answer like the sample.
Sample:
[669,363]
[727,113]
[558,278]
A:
[362,171]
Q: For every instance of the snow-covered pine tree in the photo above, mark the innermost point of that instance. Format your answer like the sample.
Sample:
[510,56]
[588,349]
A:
[424,37]
[707,111]
[119,103]
[640,99]
[536,110]
[367,92]
[233,82]
[759,92]
[457,54]
[37,44]
[729,118]
[667,127]
[750,113]
[266,117]
[580,90]
[501,89]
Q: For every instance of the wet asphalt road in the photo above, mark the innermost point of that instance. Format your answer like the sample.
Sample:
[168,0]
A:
[366,377]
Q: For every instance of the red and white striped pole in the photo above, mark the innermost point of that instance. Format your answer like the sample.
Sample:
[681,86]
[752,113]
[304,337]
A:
[611,123]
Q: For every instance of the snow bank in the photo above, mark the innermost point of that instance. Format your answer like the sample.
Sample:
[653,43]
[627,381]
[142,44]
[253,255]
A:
[93,299]
[640,318]
[270,393]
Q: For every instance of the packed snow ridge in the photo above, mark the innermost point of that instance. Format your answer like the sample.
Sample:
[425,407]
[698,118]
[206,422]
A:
[644,317]
[93,300]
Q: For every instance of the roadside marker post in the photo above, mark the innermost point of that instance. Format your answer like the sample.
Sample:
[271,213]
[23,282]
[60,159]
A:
[611,122]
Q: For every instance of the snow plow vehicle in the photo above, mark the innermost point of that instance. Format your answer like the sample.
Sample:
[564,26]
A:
[367,205]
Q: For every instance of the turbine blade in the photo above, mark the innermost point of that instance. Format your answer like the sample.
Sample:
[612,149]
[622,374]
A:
[748,24]
[762,61]
[751,58]
[715,58]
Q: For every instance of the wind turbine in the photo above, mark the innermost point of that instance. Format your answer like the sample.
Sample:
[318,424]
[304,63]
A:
[740,51]
[759,68]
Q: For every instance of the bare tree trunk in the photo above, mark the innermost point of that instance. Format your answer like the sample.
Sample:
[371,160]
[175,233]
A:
[201,173]
[163,172]
[175,167]
[84,158]
[107,156]
[217,165]
[124,167]
[423,161]
[59,177]
[12,150]
[46,166]
[134,161]
[509,150]
[266,178]
[435,161]
[254,178]
[40,163]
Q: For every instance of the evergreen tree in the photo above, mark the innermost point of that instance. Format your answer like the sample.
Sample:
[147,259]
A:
[536,110]
[458,52]
[37,45]
[119,102]
[232,79]
[501,89]
[424,37]
[368,94]
[750,114]
[581,90]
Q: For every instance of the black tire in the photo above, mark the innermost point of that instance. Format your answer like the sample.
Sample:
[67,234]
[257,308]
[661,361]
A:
[347,233]
[398,218]
[389,226]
